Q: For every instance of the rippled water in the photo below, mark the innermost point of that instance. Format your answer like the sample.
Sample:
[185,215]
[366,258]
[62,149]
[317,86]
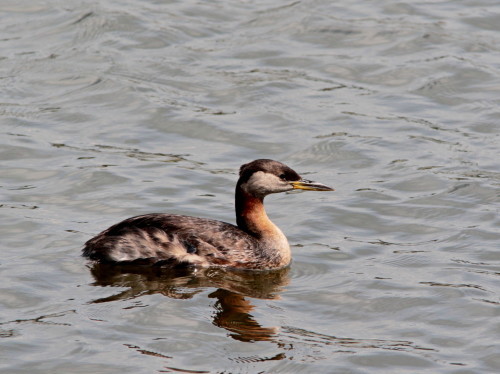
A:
[111,109]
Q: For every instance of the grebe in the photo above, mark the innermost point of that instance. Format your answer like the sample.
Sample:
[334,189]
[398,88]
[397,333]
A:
[173,240]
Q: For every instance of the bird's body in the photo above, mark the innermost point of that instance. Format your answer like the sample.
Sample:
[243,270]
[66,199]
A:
[169,239]
[177,239]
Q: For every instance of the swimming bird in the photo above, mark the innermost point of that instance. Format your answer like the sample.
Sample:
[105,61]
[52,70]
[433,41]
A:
[175,240]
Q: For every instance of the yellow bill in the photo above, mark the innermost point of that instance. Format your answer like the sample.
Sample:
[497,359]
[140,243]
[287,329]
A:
[304,184]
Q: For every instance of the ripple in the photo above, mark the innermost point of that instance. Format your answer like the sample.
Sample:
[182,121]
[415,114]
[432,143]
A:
[302,339]
[309,273]
[436,284]
[128,152]
[334,151]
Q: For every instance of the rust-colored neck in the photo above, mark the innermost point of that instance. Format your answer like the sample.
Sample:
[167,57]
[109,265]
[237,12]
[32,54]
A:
[251,216]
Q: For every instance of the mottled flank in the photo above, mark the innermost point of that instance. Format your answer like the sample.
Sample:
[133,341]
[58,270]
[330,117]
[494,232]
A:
[176,240]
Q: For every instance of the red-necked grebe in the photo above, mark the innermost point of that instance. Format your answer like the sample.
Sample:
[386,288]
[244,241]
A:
[173,240]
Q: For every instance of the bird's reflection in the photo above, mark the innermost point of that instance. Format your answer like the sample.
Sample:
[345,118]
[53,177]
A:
[233,294]
[235,288]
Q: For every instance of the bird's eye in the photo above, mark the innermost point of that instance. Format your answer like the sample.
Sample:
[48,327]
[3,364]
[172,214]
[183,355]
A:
[283,177]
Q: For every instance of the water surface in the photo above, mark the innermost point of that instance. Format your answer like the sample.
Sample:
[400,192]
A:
[111,109]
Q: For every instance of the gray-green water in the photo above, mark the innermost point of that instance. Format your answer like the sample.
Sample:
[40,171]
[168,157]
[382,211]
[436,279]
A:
[115,108]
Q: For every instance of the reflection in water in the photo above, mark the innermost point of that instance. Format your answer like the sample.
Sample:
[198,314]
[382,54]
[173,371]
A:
[234,287]
[233,308]
[233,315]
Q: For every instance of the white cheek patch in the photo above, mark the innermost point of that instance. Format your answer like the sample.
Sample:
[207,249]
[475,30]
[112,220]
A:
[262,183]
